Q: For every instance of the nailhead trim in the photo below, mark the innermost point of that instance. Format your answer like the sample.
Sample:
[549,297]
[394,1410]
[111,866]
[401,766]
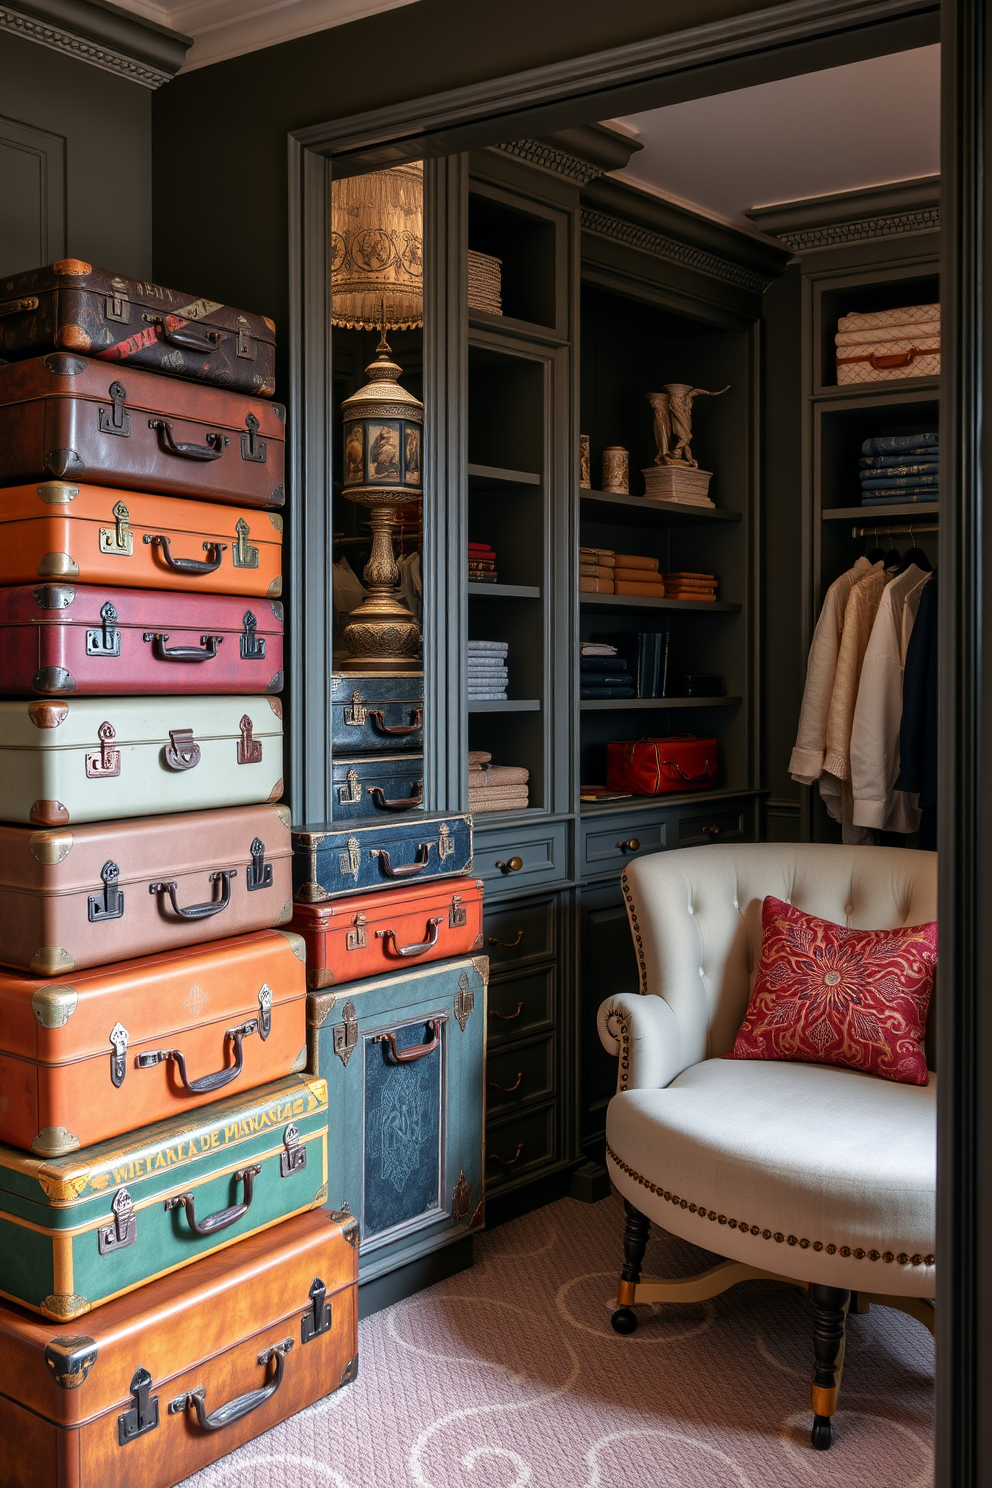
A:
[739,1224]
[636,932]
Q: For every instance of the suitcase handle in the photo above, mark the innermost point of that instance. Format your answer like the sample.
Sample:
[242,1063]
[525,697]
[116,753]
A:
[206,650]
[234,1410]
[183,336]
[396,729]
[409,870]
[207,1083]
[672,765]
[200,911]
[414,950]
[223,1218]
[417,1051]
[214,551]
[214,447]
[379,798]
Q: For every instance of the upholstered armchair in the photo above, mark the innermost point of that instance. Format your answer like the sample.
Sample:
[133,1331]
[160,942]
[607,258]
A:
[810,1174]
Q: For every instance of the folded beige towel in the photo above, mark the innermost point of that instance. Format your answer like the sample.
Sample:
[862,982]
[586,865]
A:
[477,758]
[595,586]
[500,775]
[597,555]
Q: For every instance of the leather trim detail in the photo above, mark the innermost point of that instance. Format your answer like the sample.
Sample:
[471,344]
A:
[845,1251]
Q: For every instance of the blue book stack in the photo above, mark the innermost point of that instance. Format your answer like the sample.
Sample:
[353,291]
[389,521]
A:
[897,468]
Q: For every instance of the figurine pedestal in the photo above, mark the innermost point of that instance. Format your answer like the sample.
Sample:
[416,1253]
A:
[678,483]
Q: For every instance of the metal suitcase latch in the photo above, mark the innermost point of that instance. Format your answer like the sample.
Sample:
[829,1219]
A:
[356,715]
[245,346]
[355,938]
[252,645]
[118,540]
[117,307]
[445,842]
[348,794]
[318,1319]
[116,419]
[118,1059]
[249,749]
[464,1001]
[242,552]
[259,873]
[264,1011]
[182,752]
[345,1034]
[294,1155]
[350,861]
[106,641]
[143,1415]
[108,761]
[252,448]
[110,904]
[124,1230]
[458,914]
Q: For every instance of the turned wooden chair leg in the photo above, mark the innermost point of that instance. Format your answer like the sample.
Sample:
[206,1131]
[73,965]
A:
[830,1306]
[635,1239]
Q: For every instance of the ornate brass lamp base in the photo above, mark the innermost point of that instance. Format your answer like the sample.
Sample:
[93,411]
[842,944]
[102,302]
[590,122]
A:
[381,634]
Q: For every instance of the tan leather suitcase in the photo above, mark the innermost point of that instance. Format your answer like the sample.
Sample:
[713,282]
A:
[159,1383]
[85,896]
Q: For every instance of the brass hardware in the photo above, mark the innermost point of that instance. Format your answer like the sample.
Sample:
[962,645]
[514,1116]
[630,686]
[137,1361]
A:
[457,914]
[70,1359]
[124,1230]
[355,938]
[350,861]
[507,945]
[57,566]
[506,1162]
[713,831]
[118,540]
[143,1415]
[512,865]
[243,554]
[356,715]
[252,645]
[259,872]
[110,904]
[224,1218]
[445,841]
[182,752]
[352,791]
[508,1089]
[461,1197]
[249,748]
[630,844]
[118,421]
[345,1034]
[264,1011]
[108,761]
[507,1017]
[107,640]
[464,1001]
[318,1319]
[117,307]
[252,448]
[294,1155]
[57,493]
[118,1059]
[54,1006]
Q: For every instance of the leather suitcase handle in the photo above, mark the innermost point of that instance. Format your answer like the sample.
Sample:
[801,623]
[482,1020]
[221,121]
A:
[200,911]
[396,730]
[379,798]
[682,774]
[409,870]
[214,447]
[414,950]
[417,1051]
[206,651]
[207,1083]
[214,550]
[184,337]
[234,1410]
[223,1218]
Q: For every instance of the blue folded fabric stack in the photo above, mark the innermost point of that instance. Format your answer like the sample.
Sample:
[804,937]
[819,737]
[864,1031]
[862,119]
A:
[487,671]
[900,467]
[604,676]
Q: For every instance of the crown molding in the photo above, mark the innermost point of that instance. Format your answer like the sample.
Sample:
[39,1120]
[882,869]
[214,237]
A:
[871,212]
[101,35]
[579,154]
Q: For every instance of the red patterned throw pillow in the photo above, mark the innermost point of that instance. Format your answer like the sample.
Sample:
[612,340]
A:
[825,994]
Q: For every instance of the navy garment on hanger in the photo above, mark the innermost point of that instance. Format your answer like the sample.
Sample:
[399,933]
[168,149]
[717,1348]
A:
[918,732]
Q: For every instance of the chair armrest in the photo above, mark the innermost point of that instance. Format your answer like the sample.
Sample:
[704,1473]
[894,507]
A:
[644,1033]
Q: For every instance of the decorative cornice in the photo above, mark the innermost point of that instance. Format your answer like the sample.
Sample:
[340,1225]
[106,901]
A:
[49,28]
[927,220]
[550,158]
[870,212]
[645,240]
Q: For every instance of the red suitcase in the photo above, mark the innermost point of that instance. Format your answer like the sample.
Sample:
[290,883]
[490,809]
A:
[661,767]
[70,418]
[57,639]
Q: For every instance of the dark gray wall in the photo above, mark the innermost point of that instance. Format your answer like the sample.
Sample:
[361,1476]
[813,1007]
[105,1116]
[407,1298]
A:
[75,163]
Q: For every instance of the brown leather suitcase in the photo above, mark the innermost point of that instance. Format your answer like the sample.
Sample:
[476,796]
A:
[71,418]
[72,306]
[159,1383]
[82,896]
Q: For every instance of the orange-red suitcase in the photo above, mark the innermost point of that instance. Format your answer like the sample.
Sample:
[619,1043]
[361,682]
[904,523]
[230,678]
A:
[367,934]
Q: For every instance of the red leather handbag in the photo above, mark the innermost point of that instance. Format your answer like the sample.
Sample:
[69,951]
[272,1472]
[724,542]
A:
[659,767]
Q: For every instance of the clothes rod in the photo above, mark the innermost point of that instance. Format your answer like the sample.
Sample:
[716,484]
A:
[893,531]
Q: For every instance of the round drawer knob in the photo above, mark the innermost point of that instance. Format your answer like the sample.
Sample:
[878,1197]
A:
[713,831]
[632,844]
[512,865]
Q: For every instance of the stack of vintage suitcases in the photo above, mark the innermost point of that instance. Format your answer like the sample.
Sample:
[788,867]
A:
[175,1277]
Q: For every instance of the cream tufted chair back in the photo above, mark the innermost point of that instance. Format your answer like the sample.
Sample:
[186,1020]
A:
[696,919]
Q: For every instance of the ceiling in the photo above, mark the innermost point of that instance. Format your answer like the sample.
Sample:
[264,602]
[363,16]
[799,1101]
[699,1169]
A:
[864,124]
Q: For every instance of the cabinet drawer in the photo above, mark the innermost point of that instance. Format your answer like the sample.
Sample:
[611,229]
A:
[519,1075]
[512,858]
[724,824]
[609,842]
[526,1141]
[520,1004]
[520,931]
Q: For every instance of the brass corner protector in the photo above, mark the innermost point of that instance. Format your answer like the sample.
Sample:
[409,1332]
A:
[54,1006]
[51,960]
[61,566]
[45,714]
[54,1141]
[63,1309]
[296,942]
[350,1371]
[50,848]
[70,1359]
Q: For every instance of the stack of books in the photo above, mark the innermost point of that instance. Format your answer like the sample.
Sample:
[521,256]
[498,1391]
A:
[605,676]
[646,656]
[690,585]
[481,564]
[900,467]
[601,571]
[596,567]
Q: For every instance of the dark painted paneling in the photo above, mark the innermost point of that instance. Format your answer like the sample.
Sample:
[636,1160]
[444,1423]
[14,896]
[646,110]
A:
[32,194]
[105,123]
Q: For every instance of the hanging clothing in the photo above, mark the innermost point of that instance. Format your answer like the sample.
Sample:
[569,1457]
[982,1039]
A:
[918,733]
[874,746]
[410,585]
[806,764]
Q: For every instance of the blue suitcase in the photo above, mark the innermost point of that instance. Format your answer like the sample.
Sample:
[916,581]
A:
[403,1056]
[376,785]
[330,860]
[377,712]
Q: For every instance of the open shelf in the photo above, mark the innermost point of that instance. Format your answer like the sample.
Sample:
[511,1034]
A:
[601,704]
[631,602]
[889,387]
[644,511]
[879,513]
[492,476]
[506,705]
[484,320]
[504,591]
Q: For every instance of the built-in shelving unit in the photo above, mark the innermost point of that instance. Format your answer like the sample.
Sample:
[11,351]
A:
[622,705]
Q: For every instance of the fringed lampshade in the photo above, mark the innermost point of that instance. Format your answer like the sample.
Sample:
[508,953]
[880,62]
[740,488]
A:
[377,249]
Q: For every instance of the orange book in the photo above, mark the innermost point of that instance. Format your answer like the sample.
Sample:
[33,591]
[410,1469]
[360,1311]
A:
[635,560]
[596,586]
[646,591]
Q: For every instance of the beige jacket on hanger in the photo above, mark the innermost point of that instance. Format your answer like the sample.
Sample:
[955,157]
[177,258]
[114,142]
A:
[874,748]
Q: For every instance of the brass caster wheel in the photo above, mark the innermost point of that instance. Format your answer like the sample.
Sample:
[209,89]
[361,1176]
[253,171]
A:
[624,1320]
[822,1434]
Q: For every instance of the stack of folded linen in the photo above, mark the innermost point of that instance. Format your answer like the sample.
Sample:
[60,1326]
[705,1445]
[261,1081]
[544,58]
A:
[900,467]
[638,576]
[690,586]
[605,677]
[596,570]
[481,564]
[485,282]
[495,787]
[487,674]
[883,344]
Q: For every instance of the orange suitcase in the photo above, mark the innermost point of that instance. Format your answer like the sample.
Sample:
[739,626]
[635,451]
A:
[103,1052]
[99,535]
[386,930]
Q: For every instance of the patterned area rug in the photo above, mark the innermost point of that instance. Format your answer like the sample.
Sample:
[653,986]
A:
[509,1375]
